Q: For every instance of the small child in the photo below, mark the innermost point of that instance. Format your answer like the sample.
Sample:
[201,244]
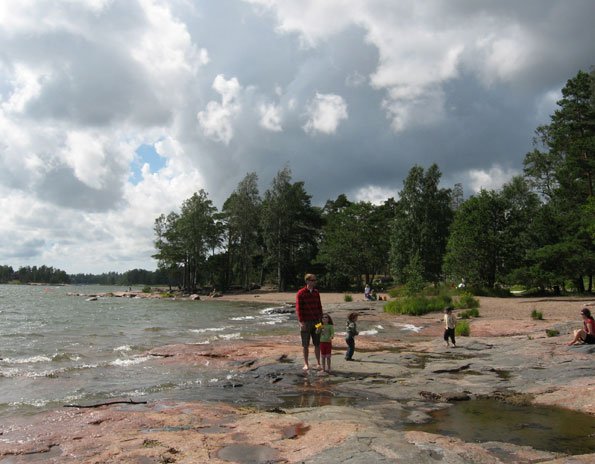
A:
[450,322]
[350,335]
[327,332]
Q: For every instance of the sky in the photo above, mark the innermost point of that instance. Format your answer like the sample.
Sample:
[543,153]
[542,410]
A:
[113,112]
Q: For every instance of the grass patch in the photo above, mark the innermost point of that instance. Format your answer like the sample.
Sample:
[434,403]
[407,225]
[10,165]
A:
[347,298]
[417,305]
[537,315]
[462,329]
[552,332]
[466,300]
[147,289]
[474,312]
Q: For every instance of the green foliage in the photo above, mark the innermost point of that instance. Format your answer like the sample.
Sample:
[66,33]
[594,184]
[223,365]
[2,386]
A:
[33,274]
[536,315]
[184,240]
[414,276]
[354,239]
[466,300]
[552,332]
[462,329]
[347,298]
[147,289]
[417,305]
[561,169]
[291,228]
[422,219]
[241,219]
[474,312]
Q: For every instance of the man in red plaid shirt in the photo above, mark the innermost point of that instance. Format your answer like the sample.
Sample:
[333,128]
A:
[309,313]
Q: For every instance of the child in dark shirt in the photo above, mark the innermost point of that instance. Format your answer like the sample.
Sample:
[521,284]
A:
[350,335]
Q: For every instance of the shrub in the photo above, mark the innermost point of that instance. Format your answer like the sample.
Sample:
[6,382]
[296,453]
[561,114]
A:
[467,300]
[474,312]
[498,292]
[462,329]
[537,315]
[396,292]
[147,289]
[417,305]
[552,332]
[347,298]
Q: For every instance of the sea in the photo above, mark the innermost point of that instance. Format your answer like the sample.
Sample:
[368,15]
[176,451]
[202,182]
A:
[58,348]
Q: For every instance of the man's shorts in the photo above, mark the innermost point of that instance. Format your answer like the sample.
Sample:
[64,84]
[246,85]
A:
[309,331]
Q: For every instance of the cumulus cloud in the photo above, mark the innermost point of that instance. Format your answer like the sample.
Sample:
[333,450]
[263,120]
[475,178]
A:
[270,117]
[216,121]
[490,179]
[324,113]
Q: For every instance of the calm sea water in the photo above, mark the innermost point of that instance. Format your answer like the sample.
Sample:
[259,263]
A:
[57,349]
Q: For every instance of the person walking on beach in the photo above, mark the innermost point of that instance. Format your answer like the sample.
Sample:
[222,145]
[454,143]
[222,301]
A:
[350,335]
[450,322]
[587,333]
[308,309]
[327,332]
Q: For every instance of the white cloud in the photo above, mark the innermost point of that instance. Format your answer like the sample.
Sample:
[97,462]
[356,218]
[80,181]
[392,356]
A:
[325,112]
[489,179]
[216,120]
[270,117]
[375,194]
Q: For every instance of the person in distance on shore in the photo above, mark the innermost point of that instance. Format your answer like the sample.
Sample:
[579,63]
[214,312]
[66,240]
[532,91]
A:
[308,309]
[587,333]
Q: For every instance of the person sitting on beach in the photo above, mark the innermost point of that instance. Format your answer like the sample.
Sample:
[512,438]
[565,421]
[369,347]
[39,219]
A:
[367,292]
[587,333]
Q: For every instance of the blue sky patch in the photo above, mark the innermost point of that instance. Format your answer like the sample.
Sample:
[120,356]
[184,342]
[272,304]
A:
[145,154]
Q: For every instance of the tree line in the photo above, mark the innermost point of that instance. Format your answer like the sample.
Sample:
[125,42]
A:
[538,230]
[49,275]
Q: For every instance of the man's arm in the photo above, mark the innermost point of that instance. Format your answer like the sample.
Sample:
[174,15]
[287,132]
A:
[298,306]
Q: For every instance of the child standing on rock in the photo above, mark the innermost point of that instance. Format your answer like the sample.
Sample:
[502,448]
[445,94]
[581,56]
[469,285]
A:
[327,332]
[350,335]
[450,322]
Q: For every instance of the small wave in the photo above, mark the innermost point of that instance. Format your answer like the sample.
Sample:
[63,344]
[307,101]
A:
[242,318]
[65,357]
[15,372]
[410,327]
[272,322]
[278,310]
[129,362]
[231,336]
[29,360]
[10,372]
[369,332]
[123,348]
[35,403]
[209,329]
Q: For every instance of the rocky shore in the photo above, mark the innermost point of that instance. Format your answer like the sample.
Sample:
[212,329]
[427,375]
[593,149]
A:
[365,411]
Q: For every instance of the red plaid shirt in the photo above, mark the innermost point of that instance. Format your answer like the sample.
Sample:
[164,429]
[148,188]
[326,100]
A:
[307,305]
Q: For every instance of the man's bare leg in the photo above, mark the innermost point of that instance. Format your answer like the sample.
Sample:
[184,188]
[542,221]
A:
[317,354]
[306,365]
